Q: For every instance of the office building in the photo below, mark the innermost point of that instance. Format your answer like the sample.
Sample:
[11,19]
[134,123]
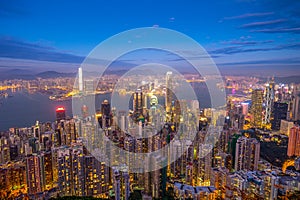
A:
[268,100]
[60,114]
[169,92]
[280,111]
[256,108]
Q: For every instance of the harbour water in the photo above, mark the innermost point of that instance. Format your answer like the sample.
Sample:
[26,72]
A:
[23,109]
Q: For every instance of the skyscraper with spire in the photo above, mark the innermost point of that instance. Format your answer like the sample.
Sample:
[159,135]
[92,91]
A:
[269,102]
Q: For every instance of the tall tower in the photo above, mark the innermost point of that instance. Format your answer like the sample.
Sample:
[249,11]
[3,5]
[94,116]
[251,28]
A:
[294,142]
[106,113]
[60,114]
[121,182]
[295,108]
[35,173]
[256,108]
[269,101]
[280,111]
[168,97]
[80,79]
[246,154]
[138,102]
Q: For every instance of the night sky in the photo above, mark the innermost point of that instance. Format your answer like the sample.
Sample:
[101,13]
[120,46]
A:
[238,34]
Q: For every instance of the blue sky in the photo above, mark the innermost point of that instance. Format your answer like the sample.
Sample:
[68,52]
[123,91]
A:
[239,34]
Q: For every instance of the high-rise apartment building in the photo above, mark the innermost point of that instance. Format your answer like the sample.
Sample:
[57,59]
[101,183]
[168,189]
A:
[294,142]
[246,154]
[35,175]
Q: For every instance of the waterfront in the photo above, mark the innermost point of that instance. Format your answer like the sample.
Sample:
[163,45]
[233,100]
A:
[23,109]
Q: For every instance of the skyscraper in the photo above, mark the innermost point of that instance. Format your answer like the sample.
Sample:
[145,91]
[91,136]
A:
[256,108]
[168,97]
[106,113]
[269,100]
[138,102]
[294,142]
[80,79]
[89,86]
[246,154]
[279,113]
[121,182]
[60,114]
[35,175]
[296,107]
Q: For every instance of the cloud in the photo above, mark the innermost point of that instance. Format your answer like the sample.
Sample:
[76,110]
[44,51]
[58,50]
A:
[288,61]
[284,20]
[263,23]
[13,48]
[295,30]
[240,49]
[171,19]
[249,15]
[250,42]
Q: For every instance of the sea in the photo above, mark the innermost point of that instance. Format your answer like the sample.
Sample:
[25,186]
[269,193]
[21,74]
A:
[23,108]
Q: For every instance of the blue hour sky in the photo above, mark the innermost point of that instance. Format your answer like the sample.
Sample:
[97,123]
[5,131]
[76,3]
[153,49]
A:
[239,34]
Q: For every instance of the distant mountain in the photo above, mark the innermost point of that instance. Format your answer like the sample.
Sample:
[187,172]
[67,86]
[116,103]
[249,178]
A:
[54,74]
[16,74]
[29,75]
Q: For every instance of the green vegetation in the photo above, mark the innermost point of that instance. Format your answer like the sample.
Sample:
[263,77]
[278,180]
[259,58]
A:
[136,195]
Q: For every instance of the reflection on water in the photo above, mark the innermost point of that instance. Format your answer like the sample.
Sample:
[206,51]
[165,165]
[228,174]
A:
[24,108]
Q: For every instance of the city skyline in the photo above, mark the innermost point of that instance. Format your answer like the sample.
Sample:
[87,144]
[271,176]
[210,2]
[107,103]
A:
[152,100]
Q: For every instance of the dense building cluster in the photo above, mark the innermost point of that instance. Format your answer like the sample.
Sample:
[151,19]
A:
[62,158]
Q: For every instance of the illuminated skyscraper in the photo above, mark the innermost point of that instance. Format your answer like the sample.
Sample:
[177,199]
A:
[246,154]
[70,171]
[48,170]
[64,171]
[138,102]
[269,101]
[168,97]
[121,182]
[35,175]
[96,175]
[106,113]
[85,111]
[256,108]
[60,114]
[296,106]
[280,111]
[245,107]
[80,79]
[89,86]
[294,142]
